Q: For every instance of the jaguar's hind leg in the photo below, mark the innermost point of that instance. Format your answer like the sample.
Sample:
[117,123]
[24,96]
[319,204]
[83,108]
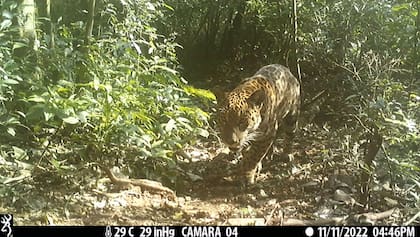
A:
[289,127]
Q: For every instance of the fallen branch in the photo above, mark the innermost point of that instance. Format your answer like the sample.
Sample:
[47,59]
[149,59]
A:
[144,184]
[365,218]
[412,219]
[371,217]
[298,222]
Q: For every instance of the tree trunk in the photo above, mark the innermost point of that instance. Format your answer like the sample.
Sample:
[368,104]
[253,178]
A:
[51,25]
[27,27]
[374,144]
[232,30]
[295,67]
[416,53]
[44,16]
[90,22]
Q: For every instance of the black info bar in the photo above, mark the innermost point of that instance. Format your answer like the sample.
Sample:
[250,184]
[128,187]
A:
[213,231]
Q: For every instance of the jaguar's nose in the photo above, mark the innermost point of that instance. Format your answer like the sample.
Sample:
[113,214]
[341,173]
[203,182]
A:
[234,149]
[234,145]
[231,140]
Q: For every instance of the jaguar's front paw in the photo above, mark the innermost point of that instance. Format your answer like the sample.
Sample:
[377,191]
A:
[249,177]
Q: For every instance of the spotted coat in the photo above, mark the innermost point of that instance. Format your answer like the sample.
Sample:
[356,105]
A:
[251,115]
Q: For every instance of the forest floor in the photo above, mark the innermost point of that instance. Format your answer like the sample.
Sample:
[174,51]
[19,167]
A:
[319,186]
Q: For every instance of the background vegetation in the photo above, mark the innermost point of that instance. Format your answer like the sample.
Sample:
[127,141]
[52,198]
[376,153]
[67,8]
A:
[71,95]
[365,54]
[117,81]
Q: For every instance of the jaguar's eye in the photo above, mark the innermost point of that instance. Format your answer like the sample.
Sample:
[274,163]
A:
[243,125]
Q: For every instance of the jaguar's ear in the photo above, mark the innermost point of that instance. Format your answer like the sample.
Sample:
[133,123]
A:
[257,98]
[220,94]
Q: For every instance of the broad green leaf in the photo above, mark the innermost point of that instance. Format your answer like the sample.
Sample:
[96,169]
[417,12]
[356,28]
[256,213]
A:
[9,81]
[83,116]
[164,69]
[170,125]
[400,7]
[199,92]
[96,83]
[186,123]
[21,114]
[71,120]
[7,14]
[62,90]
[55,163]
[19,153]
[150,6]
[19,178]
[48,116]
[18,45]
[11,131]
[137,47]
[108,88]
[203,132]
[169,7]
[145,152]
[12,121]
[37,99]
[5,24]
[157,143]
[109,98]
[163,153]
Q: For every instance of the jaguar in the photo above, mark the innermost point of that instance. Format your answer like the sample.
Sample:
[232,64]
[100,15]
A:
[251,116]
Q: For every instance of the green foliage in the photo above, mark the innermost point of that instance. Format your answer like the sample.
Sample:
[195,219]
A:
[364,53]
[117,99]
[242,33]
[366,49]
[347,30]
[10,80]
[387,103]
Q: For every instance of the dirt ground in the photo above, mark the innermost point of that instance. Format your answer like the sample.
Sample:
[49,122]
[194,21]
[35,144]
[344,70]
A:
[319,185]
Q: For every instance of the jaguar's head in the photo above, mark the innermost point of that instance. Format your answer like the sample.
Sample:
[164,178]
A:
[239,116]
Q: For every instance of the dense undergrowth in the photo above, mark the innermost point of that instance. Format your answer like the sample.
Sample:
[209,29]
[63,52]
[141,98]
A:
[117,100]
[108,84]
